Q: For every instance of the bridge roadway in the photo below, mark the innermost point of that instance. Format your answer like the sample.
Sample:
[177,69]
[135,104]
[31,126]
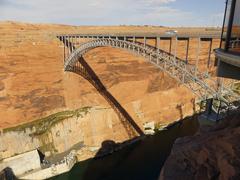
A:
[136,35]
[199,83]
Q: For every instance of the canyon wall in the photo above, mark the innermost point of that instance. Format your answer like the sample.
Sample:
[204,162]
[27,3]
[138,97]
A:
[33,83]
[62,131]
[213,153]
[88,126]
[34,86]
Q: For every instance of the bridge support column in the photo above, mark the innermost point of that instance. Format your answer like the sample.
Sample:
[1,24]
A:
[170,46]
[144,41]
[175,49]
[124,44]
[62,38]
[198,55]
[73,42]
[209,53]
[134,39]
[79,40]
[187,51]
[158,43]
[68,45]
[76,41]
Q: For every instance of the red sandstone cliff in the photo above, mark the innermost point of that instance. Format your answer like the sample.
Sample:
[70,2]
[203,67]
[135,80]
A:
[33,84]
[213,153]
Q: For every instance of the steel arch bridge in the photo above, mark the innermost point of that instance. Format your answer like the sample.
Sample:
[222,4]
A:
[199,83]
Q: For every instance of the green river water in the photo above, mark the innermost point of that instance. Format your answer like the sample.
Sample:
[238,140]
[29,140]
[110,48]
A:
[142,160]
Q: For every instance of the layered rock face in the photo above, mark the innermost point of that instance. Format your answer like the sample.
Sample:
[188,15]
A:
[213,153]
[33,85]
[60,132]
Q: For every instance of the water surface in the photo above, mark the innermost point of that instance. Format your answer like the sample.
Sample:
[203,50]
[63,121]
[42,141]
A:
[142,160]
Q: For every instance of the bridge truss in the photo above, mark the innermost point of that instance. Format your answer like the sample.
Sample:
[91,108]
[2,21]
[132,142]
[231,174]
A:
[199,83]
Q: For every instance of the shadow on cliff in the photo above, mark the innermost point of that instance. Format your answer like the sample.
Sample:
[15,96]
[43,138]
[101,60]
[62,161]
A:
[137,159]
[83,69]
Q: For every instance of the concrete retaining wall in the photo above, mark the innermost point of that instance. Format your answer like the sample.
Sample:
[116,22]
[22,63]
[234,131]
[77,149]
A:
[54,170]
[23,163]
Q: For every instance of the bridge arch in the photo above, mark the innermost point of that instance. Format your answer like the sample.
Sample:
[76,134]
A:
[199,83]
[153,55]
[184,73]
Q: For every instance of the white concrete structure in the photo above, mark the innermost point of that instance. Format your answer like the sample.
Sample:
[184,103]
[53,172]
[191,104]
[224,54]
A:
[28,166]
[55,169]
[22,163]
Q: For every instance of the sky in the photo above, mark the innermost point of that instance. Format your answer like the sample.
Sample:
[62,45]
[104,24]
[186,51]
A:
[115,12]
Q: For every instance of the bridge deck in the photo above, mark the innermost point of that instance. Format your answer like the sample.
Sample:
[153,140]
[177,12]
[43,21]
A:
[146,35]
